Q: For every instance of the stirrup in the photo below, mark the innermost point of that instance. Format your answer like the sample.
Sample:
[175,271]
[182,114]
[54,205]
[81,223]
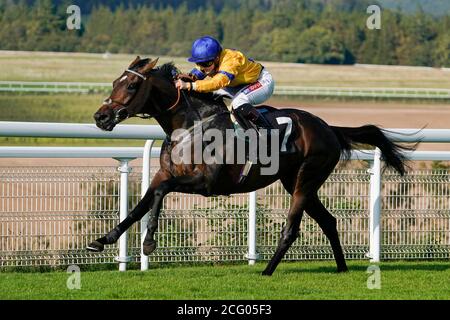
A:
[243,122]
[245,171]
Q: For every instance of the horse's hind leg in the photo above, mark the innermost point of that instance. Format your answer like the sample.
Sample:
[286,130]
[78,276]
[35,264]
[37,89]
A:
[289,232]
[303,187]
[327,223]
[306,182]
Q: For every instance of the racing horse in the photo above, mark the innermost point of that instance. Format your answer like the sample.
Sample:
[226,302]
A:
[146,90]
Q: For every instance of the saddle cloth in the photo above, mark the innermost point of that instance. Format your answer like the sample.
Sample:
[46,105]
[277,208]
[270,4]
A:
[281,121]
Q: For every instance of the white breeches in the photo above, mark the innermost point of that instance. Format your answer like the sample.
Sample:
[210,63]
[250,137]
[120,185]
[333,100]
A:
[254,93]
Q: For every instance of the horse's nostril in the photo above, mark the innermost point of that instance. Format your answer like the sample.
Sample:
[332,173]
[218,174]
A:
[100,116]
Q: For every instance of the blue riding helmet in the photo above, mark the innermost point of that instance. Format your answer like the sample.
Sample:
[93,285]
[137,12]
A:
[205,49]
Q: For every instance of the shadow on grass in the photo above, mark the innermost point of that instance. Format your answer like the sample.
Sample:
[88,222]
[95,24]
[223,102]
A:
[310,267]
[387,266]
[288,267]
[407,266]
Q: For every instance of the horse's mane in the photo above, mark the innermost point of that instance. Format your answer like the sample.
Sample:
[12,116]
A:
[166,71]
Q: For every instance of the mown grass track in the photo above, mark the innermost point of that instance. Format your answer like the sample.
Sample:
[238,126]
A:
[291,281]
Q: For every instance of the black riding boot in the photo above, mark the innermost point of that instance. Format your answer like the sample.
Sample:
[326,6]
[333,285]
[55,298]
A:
[241,116]
[247,116]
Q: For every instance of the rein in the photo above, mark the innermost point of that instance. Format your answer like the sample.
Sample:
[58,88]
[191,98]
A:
[190,106]
[168,109]
[120,117]
[178,100]
[174,75]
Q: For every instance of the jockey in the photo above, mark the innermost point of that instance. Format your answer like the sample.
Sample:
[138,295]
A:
[229,72]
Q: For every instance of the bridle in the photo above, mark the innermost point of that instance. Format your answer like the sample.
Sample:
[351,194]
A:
[137,74]
[118,112]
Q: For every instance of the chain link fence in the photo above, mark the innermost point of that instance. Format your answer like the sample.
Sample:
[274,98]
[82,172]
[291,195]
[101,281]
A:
[49,214]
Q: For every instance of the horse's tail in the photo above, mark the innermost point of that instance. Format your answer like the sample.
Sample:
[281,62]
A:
[374,136]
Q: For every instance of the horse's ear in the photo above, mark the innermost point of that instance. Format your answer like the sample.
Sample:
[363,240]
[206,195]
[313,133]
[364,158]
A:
[135,61]
[149,66]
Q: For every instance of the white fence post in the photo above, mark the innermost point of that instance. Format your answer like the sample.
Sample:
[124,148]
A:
[124,169]
[375,207]
[252,255]
[145,184]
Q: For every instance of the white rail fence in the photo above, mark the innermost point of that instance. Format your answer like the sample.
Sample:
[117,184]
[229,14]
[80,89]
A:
[375,92]
[397,93]
[54,87]
[49,214]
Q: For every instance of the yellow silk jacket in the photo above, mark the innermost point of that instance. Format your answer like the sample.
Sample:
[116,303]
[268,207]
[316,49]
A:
[234,69]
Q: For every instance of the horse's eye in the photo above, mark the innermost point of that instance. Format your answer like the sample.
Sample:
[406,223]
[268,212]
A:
[132,87]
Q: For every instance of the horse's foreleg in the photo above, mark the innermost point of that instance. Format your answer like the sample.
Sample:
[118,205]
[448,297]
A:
[135,215]
[149,244]
[183,183]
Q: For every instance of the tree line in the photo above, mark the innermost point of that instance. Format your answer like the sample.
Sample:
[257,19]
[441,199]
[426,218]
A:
[308,31]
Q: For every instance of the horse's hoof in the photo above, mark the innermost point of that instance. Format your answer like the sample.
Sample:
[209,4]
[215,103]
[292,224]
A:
[149,247]
[342,269]
[266,273]
[95,246]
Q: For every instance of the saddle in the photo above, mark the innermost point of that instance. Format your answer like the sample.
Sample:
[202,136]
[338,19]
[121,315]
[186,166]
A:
[280,121]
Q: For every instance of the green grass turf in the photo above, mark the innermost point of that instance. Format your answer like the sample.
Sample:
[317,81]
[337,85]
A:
[61,66]
[292,280]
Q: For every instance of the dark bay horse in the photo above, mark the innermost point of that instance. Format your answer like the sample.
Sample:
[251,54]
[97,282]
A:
[146,90]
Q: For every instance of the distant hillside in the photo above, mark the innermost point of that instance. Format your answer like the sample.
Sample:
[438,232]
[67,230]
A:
[305,31]
[317,5]
[435,7]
